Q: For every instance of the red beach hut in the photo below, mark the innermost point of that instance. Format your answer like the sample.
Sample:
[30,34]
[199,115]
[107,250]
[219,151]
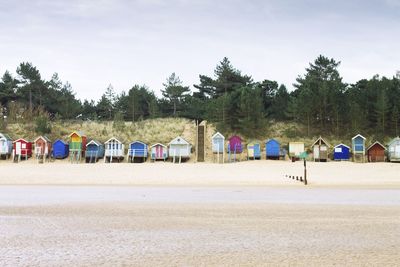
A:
[22,149]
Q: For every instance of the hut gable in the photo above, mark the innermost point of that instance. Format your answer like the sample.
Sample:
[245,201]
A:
[179,141]
[320,141]
[42,138]
[394,150]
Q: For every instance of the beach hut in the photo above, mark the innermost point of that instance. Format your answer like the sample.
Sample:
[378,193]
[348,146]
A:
[42,147]
[22,149]
[114,150]
[376,152]
[60,149]
[218,146]
[358,147]
[77,145]
[94,151]
[137,152]
[159,152]
[296,149]
[272,149]
[179,149]
[394,150]
[320,150]
[6,146]
[253,151]
[234,147]
[341,152]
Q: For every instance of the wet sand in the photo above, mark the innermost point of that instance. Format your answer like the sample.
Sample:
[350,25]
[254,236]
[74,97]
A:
[198,226]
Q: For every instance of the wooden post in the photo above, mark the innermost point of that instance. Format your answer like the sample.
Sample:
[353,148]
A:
[305,172]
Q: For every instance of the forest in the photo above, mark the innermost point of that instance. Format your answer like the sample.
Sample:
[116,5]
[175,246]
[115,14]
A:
[321,102]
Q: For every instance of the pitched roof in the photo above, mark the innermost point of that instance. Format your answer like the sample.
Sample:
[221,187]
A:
[270,140]
[137,141]
[397,139]
[112,138]
[358,135]
[94,142]
[320,138]
[62,141]
[21,139]
[179,140]
[376,143]
[79,133]
[42,137]
[218,134]
[158,144]
[5,136]
[341,145]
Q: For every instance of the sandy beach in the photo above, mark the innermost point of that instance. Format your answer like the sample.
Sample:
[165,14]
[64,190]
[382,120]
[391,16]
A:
[244,214]
[248,173]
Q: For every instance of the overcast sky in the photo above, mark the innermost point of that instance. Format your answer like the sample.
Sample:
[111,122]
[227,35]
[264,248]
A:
[94,43]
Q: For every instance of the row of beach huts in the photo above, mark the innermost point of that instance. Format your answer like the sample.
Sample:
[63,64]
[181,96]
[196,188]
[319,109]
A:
[78,147]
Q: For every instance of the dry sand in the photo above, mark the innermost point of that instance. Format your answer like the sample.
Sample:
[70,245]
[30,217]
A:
[244,214]
[250,173]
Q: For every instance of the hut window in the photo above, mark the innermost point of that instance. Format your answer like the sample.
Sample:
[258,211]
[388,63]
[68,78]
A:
[23,145]
[338,150]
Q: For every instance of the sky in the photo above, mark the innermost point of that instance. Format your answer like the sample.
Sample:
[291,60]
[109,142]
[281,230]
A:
[92,44]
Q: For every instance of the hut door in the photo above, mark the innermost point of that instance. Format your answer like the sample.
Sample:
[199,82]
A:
[159,152]
[18,148]
[316,151]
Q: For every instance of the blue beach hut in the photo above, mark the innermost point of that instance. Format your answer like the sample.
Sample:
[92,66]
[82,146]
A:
[358,147]
[272,149]
[137,151]
[60,149]
[341,152]
[94,151]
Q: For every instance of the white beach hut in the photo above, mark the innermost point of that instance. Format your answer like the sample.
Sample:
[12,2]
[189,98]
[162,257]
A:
[114,150]
[179,149]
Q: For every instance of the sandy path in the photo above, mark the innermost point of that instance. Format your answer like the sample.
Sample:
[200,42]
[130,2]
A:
[112,226]
[252,173]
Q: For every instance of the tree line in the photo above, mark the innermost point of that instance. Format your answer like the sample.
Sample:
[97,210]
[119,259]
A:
[321,101]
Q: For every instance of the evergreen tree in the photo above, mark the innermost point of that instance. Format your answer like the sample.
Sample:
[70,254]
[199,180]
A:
[175,92]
